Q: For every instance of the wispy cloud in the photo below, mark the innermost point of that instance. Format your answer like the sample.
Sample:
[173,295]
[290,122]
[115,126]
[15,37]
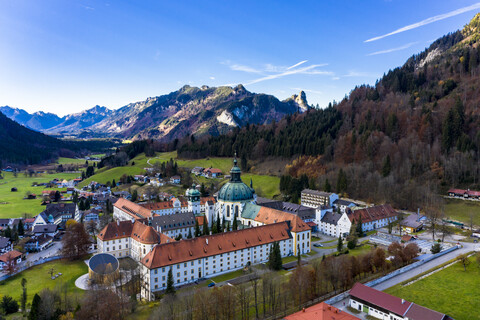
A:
[87,7]
[408,45]
[297,64]
[270,71]
[308,90]
[212,78]
[428,21]
[305,70]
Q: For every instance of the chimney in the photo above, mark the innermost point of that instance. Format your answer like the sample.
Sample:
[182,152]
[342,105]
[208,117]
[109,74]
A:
[303,310]
[206,240]
[403,301]
[118,223]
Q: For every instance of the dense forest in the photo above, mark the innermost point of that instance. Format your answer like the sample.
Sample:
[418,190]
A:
[414,134]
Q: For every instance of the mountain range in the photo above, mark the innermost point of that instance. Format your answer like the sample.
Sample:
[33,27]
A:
[189,110]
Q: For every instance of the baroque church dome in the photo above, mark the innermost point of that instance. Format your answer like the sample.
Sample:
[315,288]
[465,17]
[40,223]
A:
[235,189]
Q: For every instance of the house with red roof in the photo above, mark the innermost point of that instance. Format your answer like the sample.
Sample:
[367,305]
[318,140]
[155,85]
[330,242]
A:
[383,306]
[373,217]
[321,311]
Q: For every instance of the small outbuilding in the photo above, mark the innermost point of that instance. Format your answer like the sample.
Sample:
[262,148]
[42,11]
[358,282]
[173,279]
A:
[103,268]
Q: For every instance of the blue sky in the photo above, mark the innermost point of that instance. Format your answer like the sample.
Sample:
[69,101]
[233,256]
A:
[65,56]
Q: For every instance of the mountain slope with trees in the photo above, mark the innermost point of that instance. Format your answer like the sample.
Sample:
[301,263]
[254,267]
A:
[410,136]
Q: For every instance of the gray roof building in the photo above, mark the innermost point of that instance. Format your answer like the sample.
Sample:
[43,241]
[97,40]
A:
[173,221]
[331,217]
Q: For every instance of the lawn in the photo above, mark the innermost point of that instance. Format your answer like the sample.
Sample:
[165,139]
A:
[460,210]
[455,291]
[289,259]
[360,250]
[12,204]
[114,173]
[38,278]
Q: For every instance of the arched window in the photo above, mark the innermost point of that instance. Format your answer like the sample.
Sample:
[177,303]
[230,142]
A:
[228,211]
[236,210]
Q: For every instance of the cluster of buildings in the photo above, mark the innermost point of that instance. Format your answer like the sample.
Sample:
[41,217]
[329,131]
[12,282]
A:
[146,232]
[207,172]
[465,194]
[370,303]
[335,217]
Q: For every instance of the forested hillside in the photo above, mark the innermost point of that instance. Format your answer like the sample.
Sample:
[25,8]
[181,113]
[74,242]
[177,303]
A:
[411,135]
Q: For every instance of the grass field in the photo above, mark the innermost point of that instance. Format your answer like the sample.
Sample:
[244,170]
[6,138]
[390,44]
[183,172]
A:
[451,291]
[12,204]
[460,210]
[38,278]
[70,161]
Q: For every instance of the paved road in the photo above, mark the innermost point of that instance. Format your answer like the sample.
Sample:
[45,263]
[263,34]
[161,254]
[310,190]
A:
[467,247]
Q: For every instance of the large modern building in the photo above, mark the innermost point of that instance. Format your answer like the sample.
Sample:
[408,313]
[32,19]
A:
[315,198]
[212,255]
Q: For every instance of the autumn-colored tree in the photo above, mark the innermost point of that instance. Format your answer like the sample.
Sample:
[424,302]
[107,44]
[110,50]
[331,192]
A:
[100,305]
[75,242]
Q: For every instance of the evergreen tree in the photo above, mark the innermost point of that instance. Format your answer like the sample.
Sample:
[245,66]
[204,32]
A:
[197,229]
[275,257]
[8,233]
[75,197]
[189,236]
[341,181]
[205,226]
[387,167]
[24,295]
[203,191]
[235,223]
[224,226]
[214,226]
[35,308]
[20,228]
[340,244]
[327,187]
[218,224]
[359,227]
[134,195]
[114,183]
[170,288]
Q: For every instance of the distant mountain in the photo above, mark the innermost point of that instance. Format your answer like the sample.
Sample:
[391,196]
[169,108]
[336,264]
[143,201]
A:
[190,110]
[193,110]
[77,121]
[38,121]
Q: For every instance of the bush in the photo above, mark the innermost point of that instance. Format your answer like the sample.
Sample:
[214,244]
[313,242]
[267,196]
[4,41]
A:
[351,244]
[436,248]
[9,305]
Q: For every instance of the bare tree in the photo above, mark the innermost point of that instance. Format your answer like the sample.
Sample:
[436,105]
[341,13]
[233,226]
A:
[243,299]
[464,260]
[75,242]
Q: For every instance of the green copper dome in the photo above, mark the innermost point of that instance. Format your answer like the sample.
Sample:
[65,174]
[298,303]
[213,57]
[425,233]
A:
[235,189]
[193,192]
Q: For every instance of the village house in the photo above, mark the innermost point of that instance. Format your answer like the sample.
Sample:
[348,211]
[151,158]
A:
[45,229]
[175,179]
[343,205]
[383,306]
[5,245]
[58,213]
[462,193]
[412,223]
[212,173]
[197,171]
[373,217]
[13,256]
[38,243]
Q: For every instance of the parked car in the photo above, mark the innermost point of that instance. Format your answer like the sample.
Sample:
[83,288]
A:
[211,284]
[318,245]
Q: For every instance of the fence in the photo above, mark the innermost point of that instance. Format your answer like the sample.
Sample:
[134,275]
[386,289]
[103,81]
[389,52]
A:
[392,274]
[25,267]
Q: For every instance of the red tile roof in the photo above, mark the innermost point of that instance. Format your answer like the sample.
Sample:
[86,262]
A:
[268,215]
[372,214]
[137,230]
[380,299]
[11,255]
[162,205]
[200,220]
[191,249]
[311,224]
[321,311]
[204,200]
[132,208]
